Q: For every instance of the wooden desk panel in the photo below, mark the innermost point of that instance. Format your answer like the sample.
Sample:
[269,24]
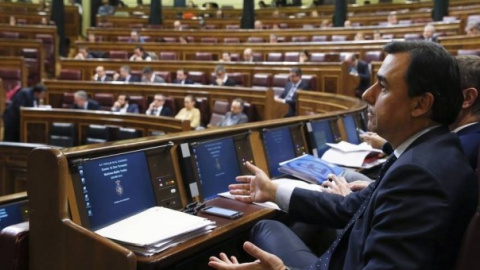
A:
[10,48]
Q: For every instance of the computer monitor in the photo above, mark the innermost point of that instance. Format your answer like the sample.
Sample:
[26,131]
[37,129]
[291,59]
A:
[13,213]
[351,128]
[217,163]
[113,187]
[320,133]
[281,144]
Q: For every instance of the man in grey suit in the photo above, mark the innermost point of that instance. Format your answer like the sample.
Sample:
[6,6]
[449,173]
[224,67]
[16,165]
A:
[415,214]
[150,77]
[235,116]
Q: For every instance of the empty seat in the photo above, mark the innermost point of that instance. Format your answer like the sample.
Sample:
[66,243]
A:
[231,40]
[63,134]
[128,133]
[254,40]
[317,57]
[169,39]
[168,56]
[291,56]
[235,57]
[300,39]
[339,38]
[136,25]
[261,80]
[275,57]
[70,74]
[11,78]
[166,75]
[344,55]
[232,26]
[413,36]
[201,103]
[238,77]
[310,80]
[9,35]
[332,57]
[388,36]
[105,24]
[136,75]
[279,81]
[198,77]
[404,22]
[67,100]
[123,38]
[220,108]
[170,103]
[140,101]
[374,56]
[14,246]
[97,134]
[208,40]
[319,38]
[118,55]
[468,52]
[204,56]
[105,100]
[257,56]
[251,111]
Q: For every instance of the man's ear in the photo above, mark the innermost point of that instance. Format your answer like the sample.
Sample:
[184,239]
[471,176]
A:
[470,95]
[422,105]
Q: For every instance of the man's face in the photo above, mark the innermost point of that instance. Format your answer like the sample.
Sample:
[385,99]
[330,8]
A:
[225,57]
[134,36]
[247,55]
[123,73]
[80,102]
[180,75]
[427,32]
[236,108]
[159,101]
[148,76]
[188,103]
[389,106]
[220,74]
[137,52]
[294,78]
[121,100]
[83,51]
[100,72]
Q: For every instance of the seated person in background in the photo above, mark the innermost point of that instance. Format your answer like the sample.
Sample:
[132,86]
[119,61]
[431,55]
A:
[27,97]
[125,75]
[135,37]
[235,116]
[139,54]
[222,77]
[105,8]
[150,77]
[472,29]
[273,38]
[248,55]
[219,14]
[303,56]
[158,108]
[189,112]
[429,33]
[225,57]
[314,14]
[182,77]
[377,35]
[359,36]
[177,25]
[45,21]
[83,53]
[82,102]
[122,105]
[359,68]
[392,18]
[347,23]
[12,21]
[326,23]
[289,94]
[91,37]
[258,25]
[100,75]
[182,40]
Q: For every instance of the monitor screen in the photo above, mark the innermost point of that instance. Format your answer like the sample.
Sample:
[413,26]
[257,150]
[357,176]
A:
[351,129]
[114,187]
[279,147]
[13,213]
[321,133]
[217,165]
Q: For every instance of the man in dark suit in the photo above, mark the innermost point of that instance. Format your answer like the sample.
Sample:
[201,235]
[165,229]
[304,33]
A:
[289,94]
[158,108]
[429,33]
[82,102]
[222,77]
[415,214]
[125,75]
[150,77]
[235,116]
[27,97]
[182,77]
[360,69]
[123,105]
[100,75]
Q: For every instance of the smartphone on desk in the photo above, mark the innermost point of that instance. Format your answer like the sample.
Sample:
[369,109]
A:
[222,212]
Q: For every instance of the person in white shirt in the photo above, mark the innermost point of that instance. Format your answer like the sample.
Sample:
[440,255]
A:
[139,54]
[158,108]
[100,75]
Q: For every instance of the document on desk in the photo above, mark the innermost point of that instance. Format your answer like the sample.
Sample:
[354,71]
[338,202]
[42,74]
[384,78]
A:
[351,155]
[156,229]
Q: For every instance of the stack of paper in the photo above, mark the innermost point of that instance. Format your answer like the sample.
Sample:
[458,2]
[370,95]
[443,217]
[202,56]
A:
[350,155]
[156,229]
[309,168]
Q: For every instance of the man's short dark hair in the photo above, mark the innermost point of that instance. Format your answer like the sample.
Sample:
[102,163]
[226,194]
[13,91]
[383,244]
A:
[127,97]
[147,70]
[39,88]
[140,48]
[240,101]
[470,76]
[432,70]
[296,70]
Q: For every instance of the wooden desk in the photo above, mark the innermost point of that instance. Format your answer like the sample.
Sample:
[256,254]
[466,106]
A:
[9,48]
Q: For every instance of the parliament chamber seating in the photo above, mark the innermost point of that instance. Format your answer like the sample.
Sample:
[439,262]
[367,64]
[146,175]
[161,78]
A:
[67,100]
[374,56]
[198,77]
[137,74]
[232,26]
[261,80]
[250,110]
[317,57]
[231,40]
[98,134]
[469,52]
[14,244]
[168,39]
[339,38]
[9,35]
[413,36]
[201,103]
[204,56]
[62,134]
[278,83]
[69,74]
[291,56]
[220,108]
[255,40]
[319,38]
[311,80]
[235,57]
[118,54]
[300,39]
[166,75]
[11,78]
[170,103]
[257,56]
[208,40]
[140,101]
[168,56]
[275,57]
[105,100]
[238,77]
[123,39]
[128,133]
[48,46]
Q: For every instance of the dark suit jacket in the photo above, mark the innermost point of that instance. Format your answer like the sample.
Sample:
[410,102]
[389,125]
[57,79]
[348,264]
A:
[229,82]
[293,103]
[92,105]
[132,79]
[107,79]
[364,74]
[234,120]
[187,81]
[470,140]
[166,111]
[11,115]
[132,108]
[415,218]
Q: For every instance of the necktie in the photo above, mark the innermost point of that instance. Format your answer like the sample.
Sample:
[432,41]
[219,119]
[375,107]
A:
[154,111]
[291,92]
[324,260]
